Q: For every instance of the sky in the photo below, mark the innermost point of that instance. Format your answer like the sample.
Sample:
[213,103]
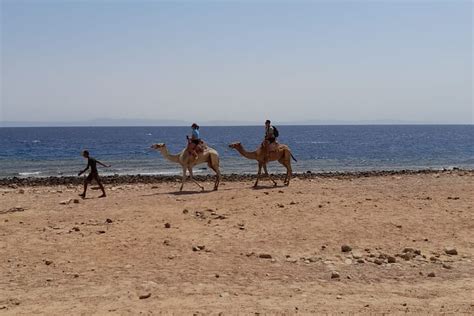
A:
[227,60]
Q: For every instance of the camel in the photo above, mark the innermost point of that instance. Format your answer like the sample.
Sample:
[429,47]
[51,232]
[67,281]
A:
[188,161]
[282,154]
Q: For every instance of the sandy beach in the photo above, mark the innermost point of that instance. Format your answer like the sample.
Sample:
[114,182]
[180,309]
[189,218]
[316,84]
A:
[377,244]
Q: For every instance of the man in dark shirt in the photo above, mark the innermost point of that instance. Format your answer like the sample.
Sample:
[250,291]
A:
[93,175]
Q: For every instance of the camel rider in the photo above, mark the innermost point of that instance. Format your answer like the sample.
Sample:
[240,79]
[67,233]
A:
[271,134]
[194,141]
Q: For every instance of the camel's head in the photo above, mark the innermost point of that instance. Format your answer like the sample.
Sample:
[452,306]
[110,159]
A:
[158,146]
[235,145]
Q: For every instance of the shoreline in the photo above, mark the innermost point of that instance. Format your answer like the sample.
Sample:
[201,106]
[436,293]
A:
[150,179]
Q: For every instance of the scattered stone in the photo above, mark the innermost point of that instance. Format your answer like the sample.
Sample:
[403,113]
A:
[185,211]
[391,259]
[323,247]
[48,262]
[108,221]
[13,210]
[292,203]
[360,260]
[65,202]
[75,201]
[144,296]
[451,251]
[378,261]
[280,205]
[224,294]
[21,191]
[265,256]
[101,232]
[447,266]
[167,225]
[198,248]
[166,242]
[348,261]
[335,275]
[356,255]
[339,297]
[431,274]
[346,248]
[76,229]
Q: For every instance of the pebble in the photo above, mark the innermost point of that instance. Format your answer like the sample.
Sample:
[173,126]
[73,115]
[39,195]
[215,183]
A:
[378,261]
[48,262]
[431,274]
[335,275]
[356,255]
[265,256]
[391,259]
[346,248]
[447,266]
[75,201]
[108,221]
[167,225]
[339,297]
[450,251]
[65,202]
[144,296]
[348,261]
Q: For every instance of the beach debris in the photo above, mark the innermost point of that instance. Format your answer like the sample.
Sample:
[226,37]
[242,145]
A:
[431,274]
[346,248]
[198,248]
[13,210]
[65,202]
[335,275]
[265,256]
[144,295]
[451,251]
[167,225]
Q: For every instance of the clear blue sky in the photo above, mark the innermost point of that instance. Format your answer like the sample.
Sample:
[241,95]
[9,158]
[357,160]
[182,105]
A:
[324,60]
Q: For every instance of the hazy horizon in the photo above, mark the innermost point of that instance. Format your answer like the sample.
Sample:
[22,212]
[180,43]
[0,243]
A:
[321,61]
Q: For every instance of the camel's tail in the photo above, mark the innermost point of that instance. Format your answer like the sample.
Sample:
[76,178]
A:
[293,157]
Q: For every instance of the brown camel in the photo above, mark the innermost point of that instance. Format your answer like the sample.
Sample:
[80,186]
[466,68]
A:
[188,161]
[282,154]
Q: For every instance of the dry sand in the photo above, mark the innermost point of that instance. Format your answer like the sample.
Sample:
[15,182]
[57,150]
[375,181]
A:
[99,256]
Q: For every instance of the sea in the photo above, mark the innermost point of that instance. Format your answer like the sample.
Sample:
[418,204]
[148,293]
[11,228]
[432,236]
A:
[56,151]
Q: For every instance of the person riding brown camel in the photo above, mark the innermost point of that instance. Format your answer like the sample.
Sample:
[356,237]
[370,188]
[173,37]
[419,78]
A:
[270,141]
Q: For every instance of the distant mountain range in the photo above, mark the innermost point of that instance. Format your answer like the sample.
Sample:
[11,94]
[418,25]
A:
[151,122]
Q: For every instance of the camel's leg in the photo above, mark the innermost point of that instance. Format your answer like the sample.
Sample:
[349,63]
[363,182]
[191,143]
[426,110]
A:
[190,169]
[268,175]
[183,179]
[287,164]
[214,165]
[258,174]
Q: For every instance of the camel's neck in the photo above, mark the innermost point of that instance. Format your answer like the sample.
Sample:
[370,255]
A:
[167,155]
[246,154]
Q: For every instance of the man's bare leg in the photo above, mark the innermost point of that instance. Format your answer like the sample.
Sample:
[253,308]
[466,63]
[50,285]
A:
[83,195]
[101,187]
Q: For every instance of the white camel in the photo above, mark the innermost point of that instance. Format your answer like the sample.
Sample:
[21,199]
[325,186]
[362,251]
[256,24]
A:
[188,161]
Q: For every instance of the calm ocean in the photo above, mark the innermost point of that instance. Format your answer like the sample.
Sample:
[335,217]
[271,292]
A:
[56,151]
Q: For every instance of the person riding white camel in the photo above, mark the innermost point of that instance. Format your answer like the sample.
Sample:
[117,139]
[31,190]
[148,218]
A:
[194,143]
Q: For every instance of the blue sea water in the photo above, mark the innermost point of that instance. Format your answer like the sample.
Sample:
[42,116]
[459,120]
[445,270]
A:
[56,151]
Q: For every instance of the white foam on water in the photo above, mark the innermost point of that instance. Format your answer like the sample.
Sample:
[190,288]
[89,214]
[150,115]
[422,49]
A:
[27,174]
